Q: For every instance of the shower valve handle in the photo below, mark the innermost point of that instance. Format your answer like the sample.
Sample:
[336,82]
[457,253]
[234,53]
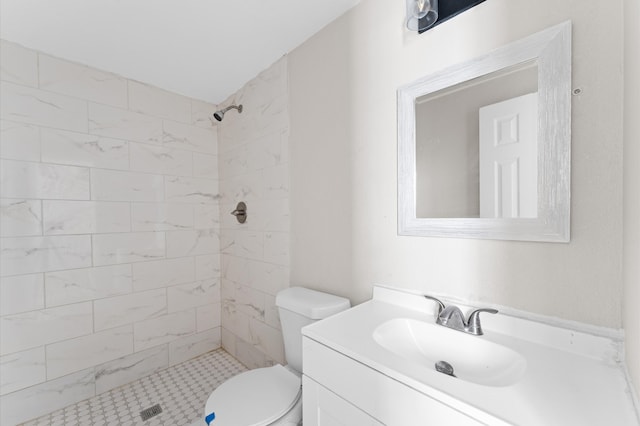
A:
[240,212]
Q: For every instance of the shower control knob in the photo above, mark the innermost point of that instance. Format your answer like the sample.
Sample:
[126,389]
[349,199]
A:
[240,212]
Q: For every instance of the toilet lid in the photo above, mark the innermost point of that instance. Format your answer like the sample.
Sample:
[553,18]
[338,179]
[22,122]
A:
[254,398]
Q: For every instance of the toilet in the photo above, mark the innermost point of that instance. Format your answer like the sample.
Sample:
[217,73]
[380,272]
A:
[272,396]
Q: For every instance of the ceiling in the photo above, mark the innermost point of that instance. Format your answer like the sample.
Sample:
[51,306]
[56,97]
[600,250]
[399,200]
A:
[205,49]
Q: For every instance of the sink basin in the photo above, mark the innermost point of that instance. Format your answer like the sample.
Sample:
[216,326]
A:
[473,358]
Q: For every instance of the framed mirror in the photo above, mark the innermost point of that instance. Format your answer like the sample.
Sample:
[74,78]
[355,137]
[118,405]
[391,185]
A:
[484,147]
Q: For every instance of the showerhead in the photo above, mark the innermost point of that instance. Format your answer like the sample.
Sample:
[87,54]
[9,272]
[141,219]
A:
[219,115]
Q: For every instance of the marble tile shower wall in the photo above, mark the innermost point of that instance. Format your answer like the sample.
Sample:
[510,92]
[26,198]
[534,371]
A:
[110,232]
[254,168]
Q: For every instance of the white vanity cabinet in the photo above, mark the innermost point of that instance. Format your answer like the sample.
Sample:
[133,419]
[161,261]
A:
[338,390]
[570,377]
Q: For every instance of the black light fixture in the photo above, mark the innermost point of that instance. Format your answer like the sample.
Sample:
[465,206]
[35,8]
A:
[425,14]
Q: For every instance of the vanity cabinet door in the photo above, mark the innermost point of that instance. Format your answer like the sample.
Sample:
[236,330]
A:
[324,408]
[367,392]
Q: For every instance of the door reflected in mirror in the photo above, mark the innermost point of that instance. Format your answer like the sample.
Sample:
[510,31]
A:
[476,147]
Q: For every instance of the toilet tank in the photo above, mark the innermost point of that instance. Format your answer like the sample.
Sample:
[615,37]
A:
[298,307]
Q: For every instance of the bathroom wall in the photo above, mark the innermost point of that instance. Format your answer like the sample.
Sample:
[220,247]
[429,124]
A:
[631,319]
[254,168]
[343,141]
[109,236]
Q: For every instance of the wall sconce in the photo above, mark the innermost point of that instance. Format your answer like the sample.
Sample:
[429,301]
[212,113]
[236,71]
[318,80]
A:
[421,14]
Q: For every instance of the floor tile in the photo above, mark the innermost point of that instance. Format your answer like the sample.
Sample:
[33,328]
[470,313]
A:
[181,391]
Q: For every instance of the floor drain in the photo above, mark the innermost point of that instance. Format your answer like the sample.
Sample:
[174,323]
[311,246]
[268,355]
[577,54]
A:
[147,413]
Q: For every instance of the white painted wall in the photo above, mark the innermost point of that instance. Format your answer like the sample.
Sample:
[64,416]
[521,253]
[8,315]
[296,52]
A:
[631,318]
[110,265]
[343,160]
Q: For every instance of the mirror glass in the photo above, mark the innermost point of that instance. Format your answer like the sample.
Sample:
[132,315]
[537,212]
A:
[451,181]
[484,146]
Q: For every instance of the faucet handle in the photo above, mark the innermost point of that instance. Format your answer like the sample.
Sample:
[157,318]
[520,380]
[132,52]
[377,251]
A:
[440,304]
[473,323]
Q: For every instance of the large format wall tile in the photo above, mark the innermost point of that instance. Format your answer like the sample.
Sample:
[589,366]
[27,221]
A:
[276,248]
[109,249]
[37,328]
[233,162]
[22,293]
[20,218]
[268,277]
[162,273]
[191,190]
[27,105]
[250,302]
[123,124]
[245,244]
[86,351]
[161,217]
[85,217]
[266,151]
[205,166]
[253,167]
[18,65]
[116,373]
[19,141]
[199,293]
[183,136]
[276,182]
[37,400]
[121,310]
[202,114]
[270,215]
[153,101]
[22,369]
[207,317]
[157,331]
[153,159]
[185,348]
[236,269]
[82,149]
[25,255]
[33,180]
[60,76]
[110,185]
[267,339]
[79,285]
[247,187]
[192,243]
[102,179]
[207,266]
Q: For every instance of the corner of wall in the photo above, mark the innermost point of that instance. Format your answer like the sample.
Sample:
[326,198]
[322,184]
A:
[631,299]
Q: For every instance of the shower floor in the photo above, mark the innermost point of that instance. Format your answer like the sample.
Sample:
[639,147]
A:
[181,391]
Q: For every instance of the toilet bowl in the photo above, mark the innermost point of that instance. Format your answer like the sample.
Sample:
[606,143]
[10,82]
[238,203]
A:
[260,397]
[272,396]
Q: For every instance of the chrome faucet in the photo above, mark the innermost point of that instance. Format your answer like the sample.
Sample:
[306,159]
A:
[451,316]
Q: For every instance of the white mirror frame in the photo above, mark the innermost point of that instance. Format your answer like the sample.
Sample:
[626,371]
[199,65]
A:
[551,51]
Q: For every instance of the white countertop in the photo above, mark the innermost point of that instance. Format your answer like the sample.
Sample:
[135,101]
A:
[571,378]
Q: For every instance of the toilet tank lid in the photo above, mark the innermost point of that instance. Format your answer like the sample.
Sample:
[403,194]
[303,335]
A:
[310,303]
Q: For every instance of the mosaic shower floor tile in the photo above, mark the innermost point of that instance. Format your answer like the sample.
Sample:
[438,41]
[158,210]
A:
[181,391]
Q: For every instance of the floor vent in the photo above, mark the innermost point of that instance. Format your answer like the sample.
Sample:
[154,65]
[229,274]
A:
[147,413]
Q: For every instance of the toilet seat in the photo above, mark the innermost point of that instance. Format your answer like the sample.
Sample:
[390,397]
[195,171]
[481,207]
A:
[254,398]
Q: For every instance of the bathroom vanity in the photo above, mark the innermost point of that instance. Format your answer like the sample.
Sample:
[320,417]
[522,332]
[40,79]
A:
[374,365]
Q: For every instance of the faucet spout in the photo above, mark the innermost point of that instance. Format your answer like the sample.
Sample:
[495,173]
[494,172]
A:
[452,317]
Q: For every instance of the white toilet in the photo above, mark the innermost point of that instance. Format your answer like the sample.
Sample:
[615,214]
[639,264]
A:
[273,395]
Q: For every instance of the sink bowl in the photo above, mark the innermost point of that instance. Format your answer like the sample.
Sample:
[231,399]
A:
[473,358]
